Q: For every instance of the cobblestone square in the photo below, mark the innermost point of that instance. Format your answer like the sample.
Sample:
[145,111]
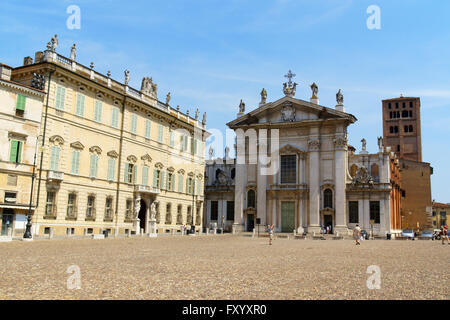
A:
[223,267]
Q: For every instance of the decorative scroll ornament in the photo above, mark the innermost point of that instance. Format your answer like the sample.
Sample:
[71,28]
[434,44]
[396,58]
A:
[340,142]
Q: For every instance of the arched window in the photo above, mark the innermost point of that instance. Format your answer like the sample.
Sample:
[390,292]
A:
[251,199]
[353,170]
[328,198]
[218,171]
[375,172]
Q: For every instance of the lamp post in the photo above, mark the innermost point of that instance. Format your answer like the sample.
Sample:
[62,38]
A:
[27,234]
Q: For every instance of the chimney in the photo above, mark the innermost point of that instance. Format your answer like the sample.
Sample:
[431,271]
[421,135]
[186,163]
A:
[27,61]
[5,72]
[38,56]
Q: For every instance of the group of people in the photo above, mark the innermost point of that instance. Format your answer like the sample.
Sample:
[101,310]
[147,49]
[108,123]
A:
[357,235]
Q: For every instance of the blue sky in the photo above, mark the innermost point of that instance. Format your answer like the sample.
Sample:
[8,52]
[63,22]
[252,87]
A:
[210,54]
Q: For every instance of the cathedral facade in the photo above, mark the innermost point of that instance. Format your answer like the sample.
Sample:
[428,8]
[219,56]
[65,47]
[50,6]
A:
[292,170]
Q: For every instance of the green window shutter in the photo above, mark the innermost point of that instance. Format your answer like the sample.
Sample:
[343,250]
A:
[186,143]
[80,105]
[155,177]
[74,162]
[160,133]
[115,117]
[180,183]
[78,162]
[163,186]
[54,158]
[195,146]
[145,175]
[20,104]
[187,185]
[135,174]
[171,138]
[111,168]
[93,167]
[198,187]
[167,181]
[13,151]
[125,174]
[133,123]
[98,111]
[147,128]
[60,98]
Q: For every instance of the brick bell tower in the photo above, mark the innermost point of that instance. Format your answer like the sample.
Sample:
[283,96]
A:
[401,127]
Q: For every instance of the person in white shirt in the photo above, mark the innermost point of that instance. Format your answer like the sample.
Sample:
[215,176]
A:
[357,234]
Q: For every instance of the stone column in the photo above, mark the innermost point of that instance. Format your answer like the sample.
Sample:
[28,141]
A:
[137,207]
[340,154]
[302,179]
[314,186]
[147,217]
[300,229]
[208,213]
[240,181]
[274,212]
[366,222]
[261,195]
[360,212]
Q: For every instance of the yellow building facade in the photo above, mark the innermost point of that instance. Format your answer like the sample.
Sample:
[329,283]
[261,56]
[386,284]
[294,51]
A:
[20,118]
[110,151]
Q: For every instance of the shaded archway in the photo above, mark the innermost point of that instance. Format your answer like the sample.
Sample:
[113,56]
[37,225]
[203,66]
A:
[142,214]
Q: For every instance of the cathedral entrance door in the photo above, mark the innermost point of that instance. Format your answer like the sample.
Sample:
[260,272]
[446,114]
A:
[287,216]
[328,222]
[250,222]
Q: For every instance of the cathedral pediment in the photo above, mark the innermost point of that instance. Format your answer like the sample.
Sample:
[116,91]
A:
[289,110]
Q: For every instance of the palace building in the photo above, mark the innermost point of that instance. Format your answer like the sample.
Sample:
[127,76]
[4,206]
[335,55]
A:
[108,151]
[294,169]
[20,124]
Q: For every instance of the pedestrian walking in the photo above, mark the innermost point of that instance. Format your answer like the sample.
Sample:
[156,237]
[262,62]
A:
[270,230]
[357,234]
[445,234]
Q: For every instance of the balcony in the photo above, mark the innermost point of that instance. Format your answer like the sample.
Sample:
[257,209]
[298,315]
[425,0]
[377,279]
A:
[56,176]
[71,213]
[50,211]
[90,214]
[146,189]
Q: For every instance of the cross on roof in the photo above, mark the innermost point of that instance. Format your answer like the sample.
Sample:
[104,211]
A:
[290,75]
